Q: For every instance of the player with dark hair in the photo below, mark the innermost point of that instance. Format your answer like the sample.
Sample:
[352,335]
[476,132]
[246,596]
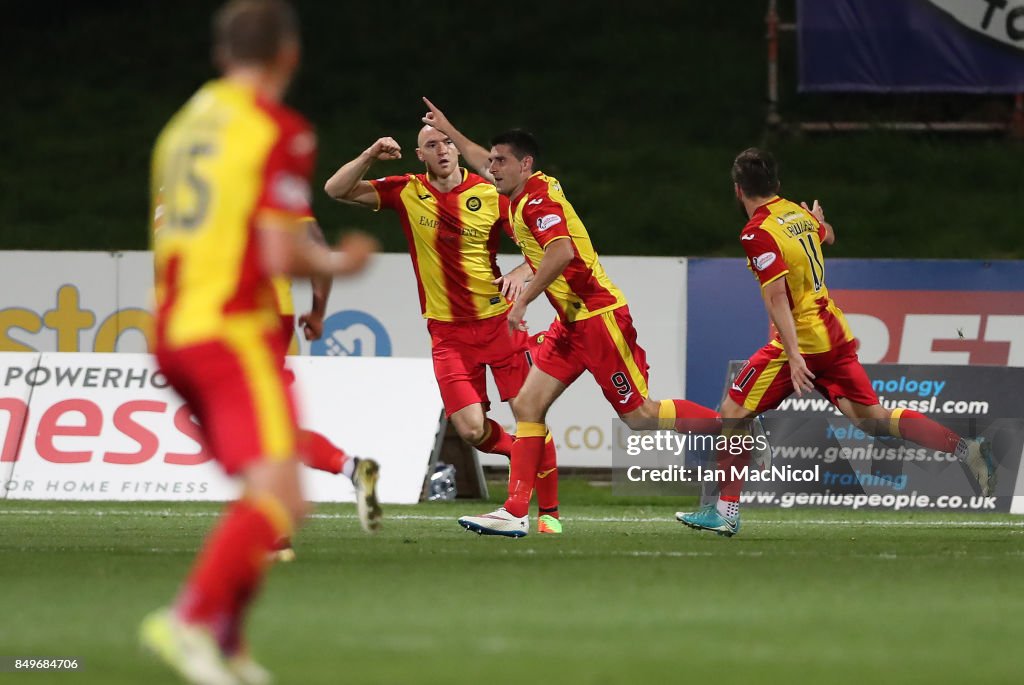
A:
[453,220]
[593,330]
[230,187]
[813,348]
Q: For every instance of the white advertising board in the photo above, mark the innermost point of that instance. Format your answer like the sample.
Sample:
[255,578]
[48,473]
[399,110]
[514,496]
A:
[71,302]
[15,392]
[58,301]
[107,427]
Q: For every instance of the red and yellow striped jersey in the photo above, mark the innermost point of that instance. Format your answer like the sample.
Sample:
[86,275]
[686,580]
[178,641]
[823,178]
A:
[453,241]
[283,295]
[225,158]
[782,239]
[283,286]
[542,214]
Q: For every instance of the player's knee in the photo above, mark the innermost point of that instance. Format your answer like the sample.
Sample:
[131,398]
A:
[295,505]
[529,410]
[297,509]
[872,426]
[732,411]
[873,421]
[279,485]
[644,417]
[473,433]
[470,428]
[634,421]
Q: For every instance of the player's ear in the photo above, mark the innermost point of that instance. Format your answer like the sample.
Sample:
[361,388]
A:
[419,154]
[289,55]
[219,57]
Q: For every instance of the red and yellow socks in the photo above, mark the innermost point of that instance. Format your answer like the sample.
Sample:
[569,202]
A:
[527,454]
[546,484]
[231,564]
[918,428]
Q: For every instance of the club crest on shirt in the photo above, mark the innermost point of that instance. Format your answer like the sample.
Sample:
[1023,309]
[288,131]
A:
[473,203]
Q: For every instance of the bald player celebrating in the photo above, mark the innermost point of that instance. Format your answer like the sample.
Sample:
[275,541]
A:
[453,220]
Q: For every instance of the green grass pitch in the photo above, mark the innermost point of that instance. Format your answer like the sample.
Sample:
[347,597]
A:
[625,596]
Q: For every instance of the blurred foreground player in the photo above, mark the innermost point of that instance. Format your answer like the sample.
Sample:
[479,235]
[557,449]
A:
[314,449]
[231,171]
[453,220]
[593,330]
[813,348]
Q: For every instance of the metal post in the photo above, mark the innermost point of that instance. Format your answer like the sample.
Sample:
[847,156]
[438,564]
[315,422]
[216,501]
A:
[772,21]
[1017,119]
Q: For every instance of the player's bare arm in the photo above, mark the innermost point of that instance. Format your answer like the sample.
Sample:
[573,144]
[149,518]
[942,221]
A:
[776,301]
[312,322]
[818,212]
[285,250]
[347,184]
[514,282]
[474,154]
[557,255]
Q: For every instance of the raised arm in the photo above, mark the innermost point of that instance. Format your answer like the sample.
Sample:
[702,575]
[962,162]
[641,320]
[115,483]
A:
[474,154]
[347,184]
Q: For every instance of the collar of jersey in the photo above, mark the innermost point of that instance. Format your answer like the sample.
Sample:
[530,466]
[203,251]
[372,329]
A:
[517,198]
[425,180]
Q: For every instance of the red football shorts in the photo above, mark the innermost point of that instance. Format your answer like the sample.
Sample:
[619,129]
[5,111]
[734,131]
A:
[605,345]
[462,351]
[764,380]
[236,387]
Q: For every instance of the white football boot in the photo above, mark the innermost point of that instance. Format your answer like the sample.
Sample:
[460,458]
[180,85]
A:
[498,522]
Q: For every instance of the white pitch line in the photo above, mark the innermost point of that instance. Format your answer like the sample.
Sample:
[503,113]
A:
[168,513]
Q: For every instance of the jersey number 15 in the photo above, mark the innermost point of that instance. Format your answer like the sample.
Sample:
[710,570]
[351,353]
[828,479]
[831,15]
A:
[183,179]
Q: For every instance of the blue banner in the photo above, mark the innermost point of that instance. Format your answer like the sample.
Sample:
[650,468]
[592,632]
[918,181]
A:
[894,46]
[952,312]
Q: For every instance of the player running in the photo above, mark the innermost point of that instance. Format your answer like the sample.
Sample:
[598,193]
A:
[453,221]
[593,330]
[230,185]
[813,348]
[314,449]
